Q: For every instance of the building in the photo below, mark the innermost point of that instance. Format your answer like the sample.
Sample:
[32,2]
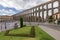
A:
[6,18]
[56,16]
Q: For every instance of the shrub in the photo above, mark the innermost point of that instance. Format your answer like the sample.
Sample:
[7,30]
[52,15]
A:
[24,25]
[33,31]
[21,22]
[50,18]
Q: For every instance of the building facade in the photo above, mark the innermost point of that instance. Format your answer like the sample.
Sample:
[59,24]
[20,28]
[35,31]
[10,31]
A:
[56,16]
[6,18]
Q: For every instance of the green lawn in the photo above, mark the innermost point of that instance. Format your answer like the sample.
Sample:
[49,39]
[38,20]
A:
[24,30]
[40,34]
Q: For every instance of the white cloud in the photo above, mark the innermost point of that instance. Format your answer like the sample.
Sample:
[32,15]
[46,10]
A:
[4,14]
[20,4]
[7,12]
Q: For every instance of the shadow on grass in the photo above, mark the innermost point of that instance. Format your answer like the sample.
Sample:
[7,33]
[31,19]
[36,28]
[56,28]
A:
[32,33]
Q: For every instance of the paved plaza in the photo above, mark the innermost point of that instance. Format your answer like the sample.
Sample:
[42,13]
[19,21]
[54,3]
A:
[9,25]
[51,29]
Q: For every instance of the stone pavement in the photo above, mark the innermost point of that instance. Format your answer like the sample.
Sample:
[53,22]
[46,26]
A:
[54,33]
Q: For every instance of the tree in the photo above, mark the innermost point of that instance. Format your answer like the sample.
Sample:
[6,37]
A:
[21,22]
[50,18]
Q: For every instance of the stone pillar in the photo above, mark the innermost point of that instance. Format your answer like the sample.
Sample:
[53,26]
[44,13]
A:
[39,15]
[47,12]
[36,15]
[52,10]
[59,5]
[59,15]
[59,8]
[52,0]
[56,16]
[33,16]
[25,18]
[29,17]
[43,13]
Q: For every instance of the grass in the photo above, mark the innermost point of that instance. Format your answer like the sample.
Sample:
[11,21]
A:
[24,30]
[40,34]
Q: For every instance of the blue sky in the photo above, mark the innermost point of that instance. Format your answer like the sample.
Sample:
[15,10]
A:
[10,7]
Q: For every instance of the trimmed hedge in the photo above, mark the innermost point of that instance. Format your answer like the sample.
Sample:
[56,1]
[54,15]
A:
[31,33]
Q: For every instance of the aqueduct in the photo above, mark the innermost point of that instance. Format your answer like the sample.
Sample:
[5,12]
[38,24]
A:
[40,12]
